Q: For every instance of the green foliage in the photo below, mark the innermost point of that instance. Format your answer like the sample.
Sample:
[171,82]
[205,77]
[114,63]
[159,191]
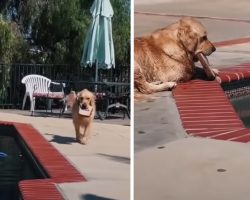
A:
[121,31]
[7,42]
[59,30]
[56,30]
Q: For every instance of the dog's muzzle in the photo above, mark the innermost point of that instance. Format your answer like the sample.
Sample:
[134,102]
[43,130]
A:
[209,51]
[206,52]
[82,105]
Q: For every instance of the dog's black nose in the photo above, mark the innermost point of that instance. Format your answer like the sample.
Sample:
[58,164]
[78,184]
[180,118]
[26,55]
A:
[213,49]
[83,106]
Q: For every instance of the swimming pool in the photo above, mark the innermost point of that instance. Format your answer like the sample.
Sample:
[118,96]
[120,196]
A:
[16,163]
[46,166]
[239,94]
[242,107]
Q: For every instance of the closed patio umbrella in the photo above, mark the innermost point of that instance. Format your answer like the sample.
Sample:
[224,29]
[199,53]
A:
[98,45]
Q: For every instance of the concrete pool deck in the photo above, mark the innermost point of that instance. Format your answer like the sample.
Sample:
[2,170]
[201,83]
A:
[180,167]
[104,162]
[227,55]
[193,168]
[167,160]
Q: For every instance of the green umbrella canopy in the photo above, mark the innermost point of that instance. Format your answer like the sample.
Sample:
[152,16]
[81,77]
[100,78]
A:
[98,45]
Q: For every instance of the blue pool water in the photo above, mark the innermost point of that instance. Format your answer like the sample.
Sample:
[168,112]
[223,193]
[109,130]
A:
[16,163]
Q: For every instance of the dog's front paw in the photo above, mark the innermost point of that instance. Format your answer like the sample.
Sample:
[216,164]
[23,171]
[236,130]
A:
[172,84]
[215,71]
[168,85]
[83,141]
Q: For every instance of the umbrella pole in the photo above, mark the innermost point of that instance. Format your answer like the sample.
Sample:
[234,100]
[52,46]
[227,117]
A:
[96,75]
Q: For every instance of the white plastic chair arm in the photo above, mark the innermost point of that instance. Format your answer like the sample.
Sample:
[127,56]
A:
[56,83]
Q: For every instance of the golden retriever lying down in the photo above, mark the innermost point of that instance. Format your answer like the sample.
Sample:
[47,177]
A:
[167,56]
[83,112]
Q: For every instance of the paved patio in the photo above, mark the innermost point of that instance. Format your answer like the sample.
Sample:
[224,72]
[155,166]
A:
[105,161]
[180,167]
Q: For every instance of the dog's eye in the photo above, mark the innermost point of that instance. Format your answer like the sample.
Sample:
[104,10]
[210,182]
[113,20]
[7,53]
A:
[88,98]
[204,38]
[81,98]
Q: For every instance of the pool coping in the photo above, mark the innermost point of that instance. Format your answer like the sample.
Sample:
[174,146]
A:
[206,111]
[58,168]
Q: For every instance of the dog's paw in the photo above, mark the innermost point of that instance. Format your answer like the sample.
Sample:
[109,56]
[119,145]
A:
[215,71]
[168,85]
[172,84]
[83,141]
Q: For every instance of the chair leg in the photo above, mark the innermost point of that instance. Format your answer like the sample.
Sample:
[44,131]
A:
[107,110]
[24,100]
[100,116]
[125,109]
[32,104]
[128,113]
[124,113]
[63,109]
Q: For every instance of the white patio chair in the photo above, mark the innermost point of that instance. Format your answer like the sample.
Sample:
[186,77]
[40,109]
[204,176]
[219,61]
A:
[38,86]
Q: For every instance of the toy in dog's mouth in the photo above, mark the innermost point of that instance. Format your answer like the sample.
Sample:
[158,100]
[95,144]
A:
[86,111]
[205,64]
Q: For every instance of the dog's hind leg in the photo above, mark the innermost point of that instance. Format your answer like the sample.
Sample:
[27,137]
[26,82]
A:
[148,88]
[160,87]
[143,86]
[157,82]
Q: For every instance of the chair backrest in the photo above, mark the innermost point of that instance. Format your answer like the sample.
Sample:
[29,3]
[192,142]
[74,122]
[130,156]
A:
[36,83]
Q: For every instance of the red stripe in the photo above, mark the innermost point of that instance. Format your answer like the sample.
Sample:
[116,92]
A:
[232,42]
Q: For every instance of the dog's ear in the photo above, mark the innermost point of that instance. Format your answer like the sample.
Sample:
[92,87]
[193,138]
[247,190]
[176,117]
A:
[187,37]
[77,96]
[92,100]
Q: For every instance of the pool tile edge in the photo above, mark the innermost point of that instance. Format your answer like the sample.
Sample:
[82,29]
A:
[61,171]
[191,99]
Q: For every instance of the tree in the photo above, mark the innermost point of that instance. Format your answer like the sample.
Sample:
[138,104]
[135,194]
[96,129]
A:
[9,40]
[121,31]
[56,29]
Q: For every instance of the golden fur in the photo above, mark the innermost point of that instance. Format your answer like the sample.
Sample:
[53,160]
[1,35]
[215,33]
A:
[167,56]
[82,124]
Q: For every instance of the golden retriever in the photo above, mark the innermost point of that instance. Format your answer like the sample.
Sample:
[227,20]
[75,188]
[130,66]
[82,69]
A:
[167,56]
[85,100]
